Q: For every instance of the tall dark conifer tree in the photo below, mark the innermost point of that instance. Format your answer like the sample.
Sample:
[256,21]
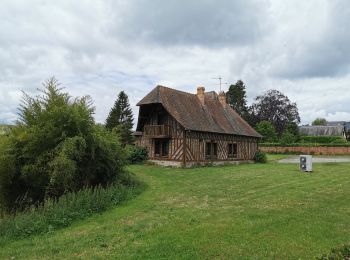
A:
[236,98]
[121,118]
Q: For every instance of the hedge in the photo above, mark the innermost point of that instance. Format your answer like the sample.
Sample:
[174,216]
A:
[304,145]
[323,139]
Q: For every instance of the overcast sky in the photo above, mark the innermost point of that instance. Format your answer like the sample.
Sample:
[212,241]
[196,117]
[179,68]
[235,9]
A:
[99,48]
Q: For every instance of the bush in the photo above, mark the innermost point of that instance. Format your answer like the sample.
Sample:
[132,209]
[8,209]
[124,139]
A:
[136,154]
[53,214]
[5,130]
[267,130]
[56,148]
[260,157]
[341,252]
[287,138]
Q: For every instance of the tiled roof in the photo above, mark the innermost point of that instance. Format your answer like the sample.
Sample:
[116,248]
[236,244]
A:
[188,110]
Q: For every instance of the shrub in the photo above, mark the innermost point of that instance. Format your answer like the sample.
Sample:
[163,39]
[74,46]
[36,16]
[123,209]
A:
[287,138]
[341,252]
[5,130]
[56,148]
[260,157]
[293,128]
[136,154]
[53,214]
[267,130]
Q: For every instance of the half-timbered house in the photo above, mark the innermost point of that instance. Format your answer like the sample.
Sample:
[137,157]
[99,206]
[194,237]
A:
[180,128]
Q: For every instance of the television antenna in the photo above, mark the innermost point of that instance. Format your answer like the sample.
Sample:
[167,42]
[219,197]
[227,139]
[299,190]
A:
[220,82]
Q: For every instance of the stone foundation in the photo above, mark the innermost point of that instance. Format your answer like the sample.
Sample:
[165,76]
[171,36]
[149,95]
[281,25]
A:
[178,164]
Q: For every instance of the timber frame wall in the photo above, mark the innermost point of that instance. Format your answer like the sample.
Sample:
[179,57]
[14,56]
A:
[195,144]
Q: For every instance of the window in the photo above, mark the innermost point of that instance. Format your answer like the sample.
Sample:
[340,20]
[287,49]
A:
[232,151]
[165,148]
[211,150]
[161,119]
[215,149]
[157,148]
[208,150]
[161,148]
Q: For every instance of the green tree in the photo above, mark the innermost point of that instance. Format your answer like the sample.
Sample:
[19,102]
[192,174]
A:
[121,118]
[287,138]
[55,148]
[267,130]
[236,98]
[275,107]
[319,121]
[293,128]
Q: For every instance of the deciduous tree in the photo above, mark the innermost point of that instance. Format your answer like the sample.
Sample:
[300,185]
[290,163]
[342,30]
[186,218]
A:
[319,121]
[275,107]
[55,148]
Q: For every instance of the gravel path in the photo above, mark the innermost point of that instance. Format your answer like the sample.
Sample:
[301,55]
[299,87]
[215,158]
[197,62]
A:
[319,159]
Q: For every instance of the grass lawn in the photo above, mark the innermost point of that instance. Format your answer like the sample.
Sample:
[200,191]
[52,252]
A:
[276,157]
[246,211]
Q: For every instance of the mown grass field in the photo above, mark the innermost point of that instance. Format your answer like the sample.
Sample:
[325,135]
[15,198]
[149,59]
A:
[247,211]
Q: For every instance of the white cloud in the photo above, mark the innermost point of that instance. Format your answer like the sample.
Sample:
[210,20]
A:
[191,23]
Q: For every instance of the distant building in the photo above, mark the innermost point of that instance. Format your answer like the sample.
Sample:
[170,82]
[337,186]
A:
[336,123]
[347,130]
[320,130]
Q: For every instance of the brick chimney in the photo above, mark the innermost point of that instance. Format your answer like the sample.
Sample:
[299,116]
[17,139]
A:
[200,94]
[222,98]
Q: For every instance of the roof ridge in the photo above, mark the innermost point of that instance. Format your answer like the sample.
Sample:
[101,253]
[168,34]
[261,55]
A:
[184,92]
